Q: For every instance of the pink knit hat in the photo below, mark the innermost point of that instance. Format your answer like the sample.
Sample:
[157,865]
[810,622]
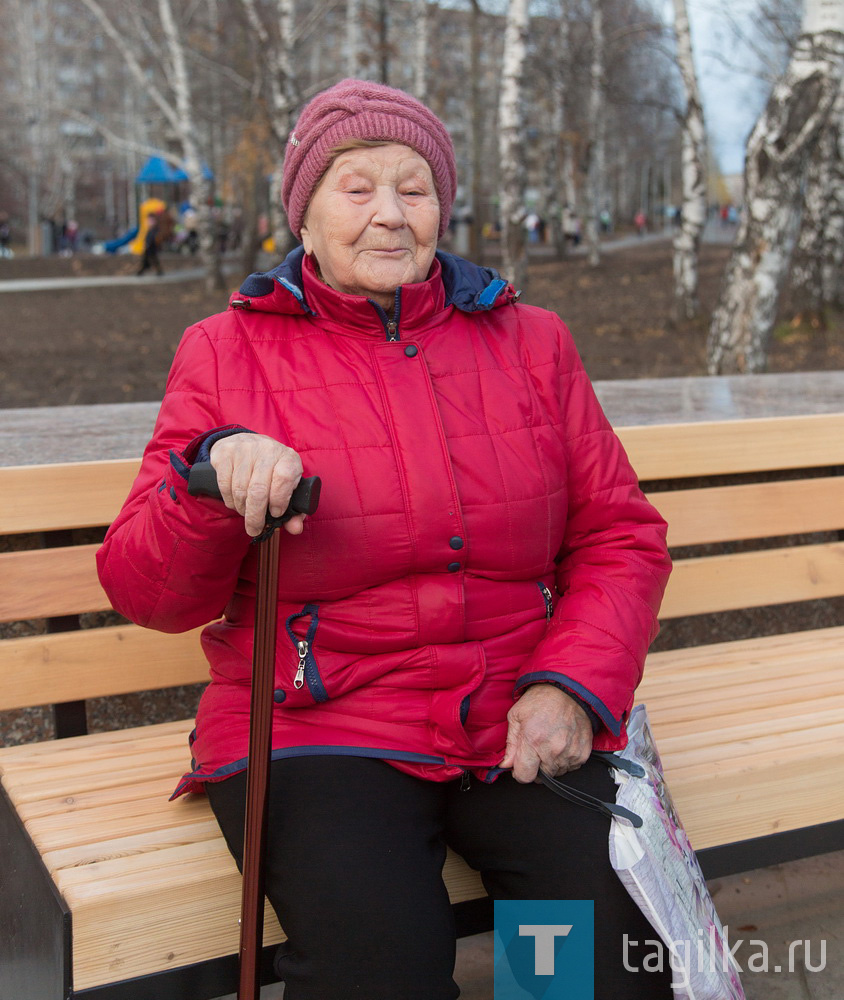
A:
[361,109]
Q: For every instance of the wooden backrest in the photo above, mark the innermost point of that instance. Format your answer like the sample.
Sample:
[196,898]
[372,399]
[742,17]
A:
[46,582]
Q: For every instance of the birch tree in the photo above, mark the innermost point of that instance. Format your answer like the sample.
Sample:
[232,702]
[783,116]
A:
[185,128]
[276,43]
[776,161]
[596,125]
[694,158]
[558,164]
[819,256]
[353,37]
[420,49]
[176,106]
[511,144]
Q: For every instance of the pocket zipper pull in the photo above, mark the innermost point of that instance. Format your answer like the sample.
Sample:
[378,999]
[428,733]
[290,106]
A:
[549,602]
[299,680]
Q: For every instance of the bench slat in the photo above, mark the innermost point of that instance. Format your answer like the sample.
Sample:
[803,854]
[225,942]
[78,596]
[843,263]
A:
[756,510]
[754,579]
[713,448]
[69,495]
[761,800]
[47,835]
[111,737]
[83,855]
[43,583]
[95,663]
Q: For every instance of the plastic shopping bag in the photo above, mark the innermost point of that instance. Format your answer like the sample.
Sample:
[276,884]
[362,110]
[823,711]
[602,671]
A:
[658,867]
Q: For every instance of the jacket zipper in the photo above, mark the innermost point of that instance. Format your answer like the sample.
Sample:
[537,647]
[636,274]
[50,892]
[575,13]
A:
[549,601]
[307,669]
[302,648]
[391,326]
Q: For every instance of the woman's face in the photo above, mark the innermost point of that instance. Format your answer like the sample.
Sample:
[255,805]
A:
[373,220]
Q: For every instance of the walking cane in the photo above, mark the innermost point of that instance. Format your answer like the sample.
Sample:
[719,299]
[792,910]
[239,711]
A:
[305,499]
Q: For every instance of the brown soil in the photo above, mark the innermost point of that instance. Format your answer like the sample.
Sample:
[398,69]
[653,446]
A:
[103,345]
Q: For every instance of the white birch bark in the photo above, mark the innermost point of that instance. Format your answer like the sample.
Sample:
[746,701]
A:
[778,152]
[475,131]
[353,38]
[420,49]
[511,145]
[201,193]
[819,256]
[276,47]
[25,18]
[694,158]
[596,125]
[177,109]
[558,160]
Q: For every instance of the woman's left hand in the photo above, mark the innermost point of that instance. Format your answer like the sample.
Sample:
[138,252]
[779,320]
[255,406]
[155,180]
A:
[548,729]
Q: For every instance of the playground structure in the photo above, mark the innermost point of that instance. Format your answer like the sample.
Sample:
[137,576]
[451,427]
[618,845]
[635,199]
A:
[155,173]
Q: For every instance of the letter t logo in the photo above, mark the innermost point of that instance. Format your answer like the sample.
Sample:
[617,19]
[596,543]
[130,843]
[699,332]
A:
[543,954]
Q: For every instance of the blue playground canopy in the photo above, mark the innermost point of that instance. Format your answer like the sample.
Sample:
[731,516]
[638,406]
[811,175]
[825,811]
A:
[158,171]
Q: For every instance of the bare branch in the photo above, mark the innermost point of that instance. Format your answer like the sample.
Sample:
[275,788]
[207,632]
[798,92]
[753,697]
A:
[131,60]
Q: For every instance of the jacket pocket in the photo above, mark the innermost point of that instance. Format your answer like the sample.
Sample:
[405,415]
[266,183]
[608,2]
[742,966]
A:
[306,670]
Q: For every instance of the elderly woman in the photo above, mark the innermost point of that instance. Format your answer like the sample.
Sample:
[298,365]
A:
[472,602]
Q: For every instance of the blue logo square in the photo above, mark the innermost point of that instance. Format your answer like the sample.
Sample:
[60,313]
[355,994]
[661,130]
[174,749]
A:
[544,949]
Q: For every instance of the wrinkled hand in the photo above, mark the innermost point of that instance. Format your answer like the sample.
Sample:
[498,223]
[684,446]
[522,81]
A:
[547,729]
[254,474]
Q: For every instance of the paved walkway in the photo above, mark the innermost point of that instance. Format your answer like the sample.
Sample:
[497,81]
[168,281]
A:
[110,281]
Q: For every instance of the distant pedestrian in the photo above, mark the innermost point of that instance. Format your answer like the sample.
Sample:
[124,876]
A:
[641,223]
[151,245]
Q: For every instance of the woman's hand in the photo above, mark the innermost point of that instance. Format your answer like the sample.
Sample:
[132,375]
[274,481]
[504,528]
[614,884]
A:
[547,729]
[254,474]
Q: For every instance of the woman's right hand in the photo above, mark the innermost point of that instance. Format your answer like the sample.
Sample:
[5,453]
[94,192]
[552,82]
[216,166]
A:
[254,474]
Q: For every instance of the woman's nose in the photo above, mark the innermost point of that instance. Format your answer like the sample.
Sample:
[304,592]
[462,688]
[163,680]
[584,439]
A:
[389,210]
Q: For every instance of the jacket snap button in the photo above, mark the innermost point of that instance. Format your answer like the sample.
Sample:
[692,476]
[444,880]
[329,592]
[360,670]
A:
[411,351]
[279,696]
[453,567]
[456,542]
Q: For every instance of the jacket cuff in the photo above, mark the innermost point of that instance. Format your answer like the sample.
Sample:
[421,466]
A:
[598,713]
[199,449]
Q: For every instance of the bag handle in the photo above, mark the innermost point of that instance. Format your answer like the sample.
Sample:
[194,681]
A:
[609,809]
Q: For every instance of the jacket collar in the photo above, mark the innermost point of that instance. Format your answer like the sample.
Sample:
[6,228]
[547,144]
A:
[293,288]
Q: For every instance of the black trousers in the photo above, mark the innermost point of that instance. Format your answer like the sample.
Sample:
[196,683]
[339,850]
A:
[354,859]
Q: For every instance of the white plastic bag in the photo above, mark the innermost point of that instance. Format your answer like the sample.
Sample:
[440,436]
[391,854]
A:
[658,867]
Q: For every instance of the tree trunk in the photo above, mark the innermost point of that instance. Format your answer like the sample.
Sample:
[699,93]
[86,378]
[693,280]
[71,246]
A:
[201,192]
[476,132]
[277,49]
[778,152]
[595,156]
[352,38]
[819,256]
[511,145]
[383,42]
[694,158]
[557,161]
[420,49]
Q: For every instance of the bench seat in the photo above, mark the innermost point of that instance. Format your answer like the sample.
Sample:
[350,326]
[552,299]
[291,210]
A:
[110,891]
[748,732]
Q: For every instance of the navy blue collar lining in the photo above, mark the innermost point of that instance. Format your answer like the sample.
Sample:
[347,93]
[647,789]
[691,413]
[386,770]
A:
[468,287]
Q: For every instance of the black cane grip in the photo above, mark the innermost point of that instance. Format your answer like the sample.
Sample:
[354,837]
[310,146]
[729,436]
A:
[202,482]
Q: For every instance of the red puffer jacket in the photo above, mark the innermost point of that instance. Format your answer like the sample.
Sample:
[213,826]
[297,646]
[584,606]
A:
[480,527]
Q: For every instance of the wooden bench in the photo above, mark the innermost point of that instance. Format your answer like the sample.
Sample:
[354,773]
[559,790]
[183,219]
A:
[111,891]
